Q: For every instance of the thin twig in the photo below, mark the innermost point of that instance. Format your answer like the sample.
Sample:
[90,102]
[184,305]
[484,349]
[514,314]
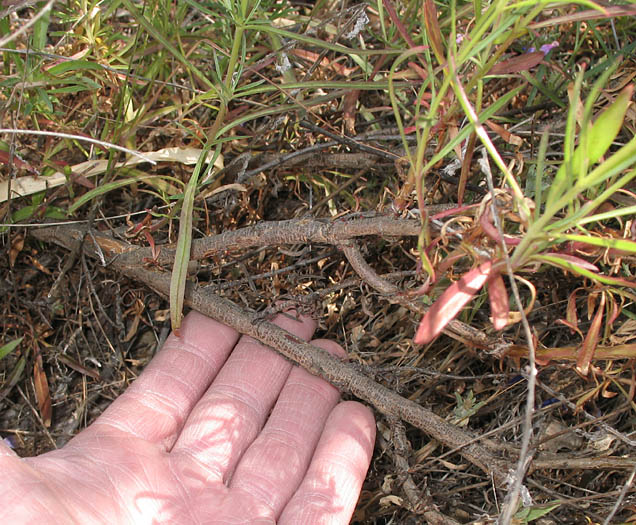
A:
[592,419]
[455,329]
[621,497]
[512,499]
[82,138]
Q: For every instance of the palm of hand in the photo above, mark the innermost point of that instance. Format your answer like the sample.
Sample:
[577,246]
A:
[177,449]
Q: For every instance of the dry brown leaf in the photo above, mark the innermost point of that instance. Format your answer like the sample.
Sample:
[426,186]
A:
[517,64]
[42,391]
[16,247]
[510,138]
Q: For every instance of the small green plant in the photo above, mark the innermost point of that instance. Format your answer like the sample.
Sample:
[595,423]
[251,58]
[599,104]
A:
[534,512]
[552,227]
[16,374]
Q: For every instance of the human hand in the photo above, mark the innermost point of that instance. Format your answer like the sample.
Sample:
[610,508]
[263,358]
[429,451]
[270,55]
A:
[216,429]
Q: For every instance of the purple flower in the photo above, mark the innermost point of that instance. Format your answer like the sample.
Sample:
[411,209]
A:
[545,48]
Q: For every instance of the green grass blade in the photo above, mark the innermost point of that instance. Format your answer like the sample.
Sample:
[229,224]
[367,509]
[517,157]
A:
[538,180]
[624,245]
[321,44]
[14,377]
[630,210]
[39,39]
[574,268]
[489,112]
[607,125]
[74,65]
[564,173]
[9,347]
[105,188]
[184,242]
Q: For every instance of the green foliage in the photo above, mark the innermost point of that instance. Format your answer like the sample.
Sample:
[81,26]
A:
[6,349]
[529,514]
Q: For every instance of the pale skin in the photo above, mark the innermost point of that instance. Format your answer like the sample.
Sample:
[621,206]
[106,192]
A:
[218,430]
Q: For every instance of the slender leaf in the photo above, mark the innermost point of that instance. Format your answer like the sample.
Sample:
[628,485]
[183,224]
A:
[624,245]
[39,40]
[74,65]
[630,210]
[184,242]
[586,352]
[105,188]
[5,350]
[432,30]
[575,268]
[498,298]
[564,174]
[489,112]
[538,181]
[143,21]
[450,303]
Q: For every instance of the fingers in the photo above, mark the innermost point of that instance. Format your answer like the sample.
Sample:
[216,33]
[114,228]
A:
[331,487]
[274,465]
[156,405]
[232,412]
[5,450]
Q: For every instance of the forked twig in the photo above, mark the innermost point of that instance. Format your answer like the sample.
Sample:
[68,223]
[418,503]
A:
[314,359]
[337,233]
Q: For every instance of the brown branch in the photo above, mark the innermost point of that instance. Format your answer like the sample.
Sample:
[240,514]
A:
[338,232]
[571,462]
[312,358]
[293,231]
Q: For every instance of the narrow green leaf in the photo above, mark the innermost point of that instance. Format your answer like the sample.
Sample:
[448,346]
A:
[528,3]
[622,159]
[9,347]
[630,210]
[573,219]
[23,213]
[184,242]
[105,188]
[544,88]
[74,65]
[489,112]
[604,242]
[567,265]
[538,180]
[321,44]
[564,173]
[14,377]
[157,35]
[603,132]
[39,40]
[528,514]
[75,88]
[600,136]
[182,255]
